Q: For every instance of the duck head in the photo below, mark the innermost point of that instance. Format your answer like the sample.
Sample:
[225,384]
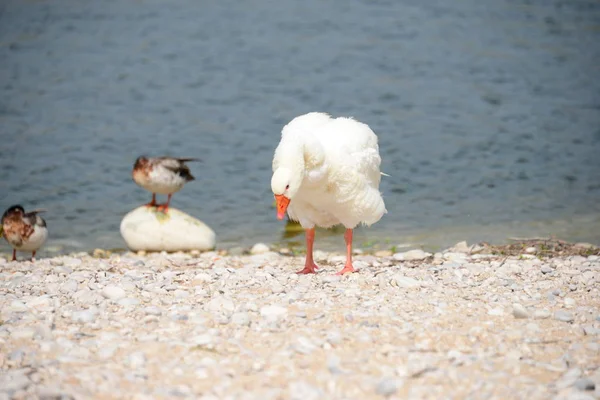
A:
[140,162]
[13,211]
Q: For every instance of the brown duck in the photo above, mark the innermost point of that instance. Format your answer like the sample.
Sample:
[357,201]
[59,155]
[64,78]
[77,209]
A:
[24,231]
[162,175]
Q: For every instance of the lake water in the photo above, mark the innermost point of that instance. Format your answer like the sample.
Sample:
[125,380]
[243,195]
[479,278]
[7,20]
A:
[487,112]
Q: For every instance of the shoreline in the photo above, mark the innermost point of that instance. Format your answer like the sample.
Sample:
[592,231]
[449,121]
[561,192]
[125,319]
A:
[538,246]
[291,235]
[461,322]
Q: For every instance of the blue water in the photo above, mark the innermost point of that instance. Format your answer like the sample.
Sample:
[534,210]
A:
[487,112]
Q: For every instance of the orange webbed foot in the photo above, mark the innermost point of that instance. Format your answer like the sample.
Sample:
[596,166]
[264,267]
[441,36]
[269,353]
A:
[309,269]
[348,268]
[163,208]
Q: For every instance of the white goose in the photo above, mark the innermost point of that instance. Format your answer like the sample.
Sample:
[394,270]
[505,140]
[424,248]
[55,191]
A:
[326,172]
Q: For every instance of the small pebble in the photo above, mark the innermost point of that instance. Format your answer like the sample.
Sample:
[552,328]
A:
[546,269]
[240,318]
[259,248]
[519,311]
[277,288]
[406,282]
[411,255]
[128,302]
[113,292]
[496,311]
[569,302]
[299,390]
[304,345]
[152,310]
[17,305]
[541,314]
[387,387]
[585,384]
[137,360]
[565,316]
[84,316]
[333,365]
[273,312]
[334,337]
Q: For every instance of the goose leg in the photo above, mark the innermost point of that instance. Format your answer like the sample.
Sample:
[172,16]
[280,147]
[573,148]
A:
[33,256]
[348,267]
[309,266]
[14,255]
[153,202]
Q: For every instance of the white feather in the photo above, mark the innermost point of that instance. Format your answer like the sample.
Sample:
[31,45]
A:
[162,180]
[36,240]
[337,162]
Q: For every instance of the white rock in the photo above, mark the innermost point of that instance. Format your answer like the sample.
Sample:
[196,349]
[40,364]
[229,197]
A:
[333,364]
[40,303]
[202,277]
[23,333]
[136,360]
[240,318]
[203,340]
[455,256]
[406,282]
[519,311]
[69,286]
[72,262]
[88,297]
[84,316]
[412,255]
[585,384]
[568,378]
[152,310]
[128,301]
[276,288]
[11,382]
[569,302]
[461,247]
[541,314]
[112,292]
[304,345]
[18,306]
[181,294]
[273,312]
[565,316]
[496,311]
[300,390]
[107,351]
[147,229]
[220,304]
[259,248]
[387,387]
[334,337]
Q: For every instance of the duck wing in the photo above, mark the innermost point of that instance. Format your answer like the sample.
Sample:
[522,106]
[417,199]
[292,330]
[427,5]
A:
[32,218]
[177,165]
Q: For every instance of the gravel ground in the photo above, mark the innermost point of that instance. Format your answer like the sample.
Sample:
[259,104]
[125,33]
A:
[214,326]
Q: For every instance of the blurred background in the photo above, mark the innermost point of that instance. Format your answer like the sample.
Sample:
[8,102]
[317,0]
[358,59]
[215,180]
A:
[487,112]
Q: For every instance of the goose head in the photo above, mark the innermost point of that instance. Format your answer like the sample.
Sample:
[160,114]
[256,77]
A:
[285,184]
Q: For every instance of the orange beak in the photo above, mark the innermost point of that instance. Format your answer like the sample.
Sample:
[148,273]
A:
[282,205]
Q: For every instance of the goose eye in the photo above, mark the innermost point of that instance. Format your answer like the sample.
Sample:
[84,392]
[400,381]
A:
[287,187]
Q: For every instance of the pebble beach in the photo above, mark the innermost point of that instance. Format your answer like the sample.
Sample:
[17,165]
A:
[458,324]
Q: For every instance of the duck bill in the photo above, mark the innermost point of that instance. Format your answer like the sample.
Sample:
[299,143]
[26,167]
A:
[282,205]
